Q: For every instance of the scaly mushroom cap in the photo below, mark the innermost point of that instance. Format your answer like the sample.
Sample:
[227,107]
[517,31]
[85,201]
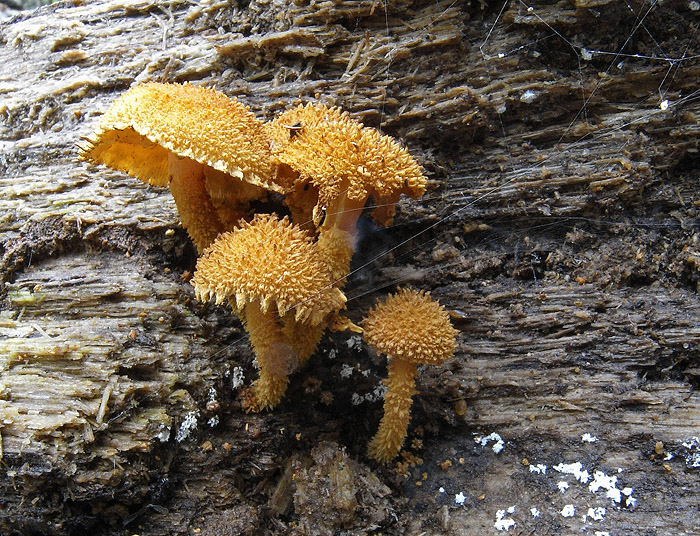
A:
[410,326]
[270,261]
[339,156]
[150,120]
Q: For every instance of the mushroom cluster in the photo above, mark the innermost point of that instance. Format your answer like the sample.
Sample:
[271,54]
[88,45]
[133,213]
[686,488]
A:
[272,209]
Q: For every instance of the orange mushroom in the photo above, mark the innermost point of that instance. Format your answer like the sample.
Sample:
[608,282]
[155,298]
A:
[410,328]
[210,149]
[338,164]
[272,275]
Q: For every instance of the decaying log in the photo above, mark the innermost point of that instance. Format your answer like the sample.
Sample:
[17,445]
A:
[561,145]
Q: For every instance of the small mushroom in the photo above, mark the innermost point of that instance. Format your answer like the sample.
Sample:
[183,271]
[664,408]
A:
[209,149]
[410,328]
[339,163]
[272,275]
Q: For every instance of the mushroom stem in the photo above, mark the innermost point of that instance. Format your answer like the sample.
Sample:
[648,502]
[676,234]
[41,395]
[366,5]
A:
[336,247]
[343,214]
[338,236]
[197,213]
[303,338]
[401,382]
[274,356]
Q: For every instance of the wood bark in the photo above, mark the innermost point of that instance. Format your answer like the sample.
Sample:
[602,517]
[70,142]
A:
[560,228]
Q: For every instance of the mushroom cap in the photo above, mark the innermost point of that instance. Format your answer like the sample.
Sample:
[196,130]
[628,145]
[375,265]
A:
[150,120]
[410,326]
[338,156]
[270,261]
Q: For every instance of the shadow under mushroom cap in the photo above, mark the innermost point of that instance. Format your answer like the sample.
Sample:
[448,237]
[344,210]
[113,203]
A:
[149,121]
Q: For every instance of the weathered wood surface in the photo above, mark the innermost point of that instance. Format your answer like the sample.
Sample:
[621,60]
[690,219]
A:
[561,228]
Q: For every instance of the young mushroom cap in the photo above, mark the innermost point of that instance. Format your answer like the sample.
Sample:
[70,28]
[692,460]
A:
[410,326]
[273,276]
[341,158]
[410,329]
[149,121]
[270,261]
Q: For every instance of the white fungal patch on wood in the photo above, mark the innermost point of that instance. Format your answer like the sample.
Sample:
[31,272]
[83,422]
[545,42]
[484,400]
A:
[540,469]
[237,378]
[569,510]
[576,469]
[504,523]
[498,444]
[189,424]
[595,514]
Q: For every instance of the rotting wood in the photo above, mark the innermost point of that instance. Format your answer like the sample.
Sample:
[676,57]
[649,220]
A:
[570,260]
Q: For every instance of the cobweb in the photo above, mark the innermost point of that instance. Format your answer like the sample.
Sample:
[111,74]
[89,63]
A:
[643,47]
[386,257]
[462,224]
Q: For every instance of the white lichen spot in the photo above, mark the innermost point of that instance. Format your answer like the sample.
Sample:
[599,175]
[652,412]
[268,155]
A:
[460,498]
[377,393]
[563,486]
[189,423]
[332,354]
[373,396]
[588,438]
[568,511]
[540,469]
[595,514]
[237,377]
[528,96]
[346,371]
[575,469]
[607,483]
[664,105]
[601,480]
[498,445]
[692,459]
[535,512]
[355,343]
[441,490]
[214,421]
[503,522]
[164,434]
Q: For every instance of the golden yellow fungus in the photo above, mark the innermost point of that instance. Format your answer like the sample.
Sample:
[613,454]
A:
[188,137]
[271,274]
[410,328]
[344,163]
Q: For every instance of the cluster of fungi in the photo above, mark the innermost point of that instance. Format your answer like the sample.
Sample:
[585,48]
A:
[283,276]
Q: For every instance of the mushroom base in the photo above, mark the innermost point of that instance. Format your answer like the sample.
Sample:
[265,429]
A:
[280,346]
